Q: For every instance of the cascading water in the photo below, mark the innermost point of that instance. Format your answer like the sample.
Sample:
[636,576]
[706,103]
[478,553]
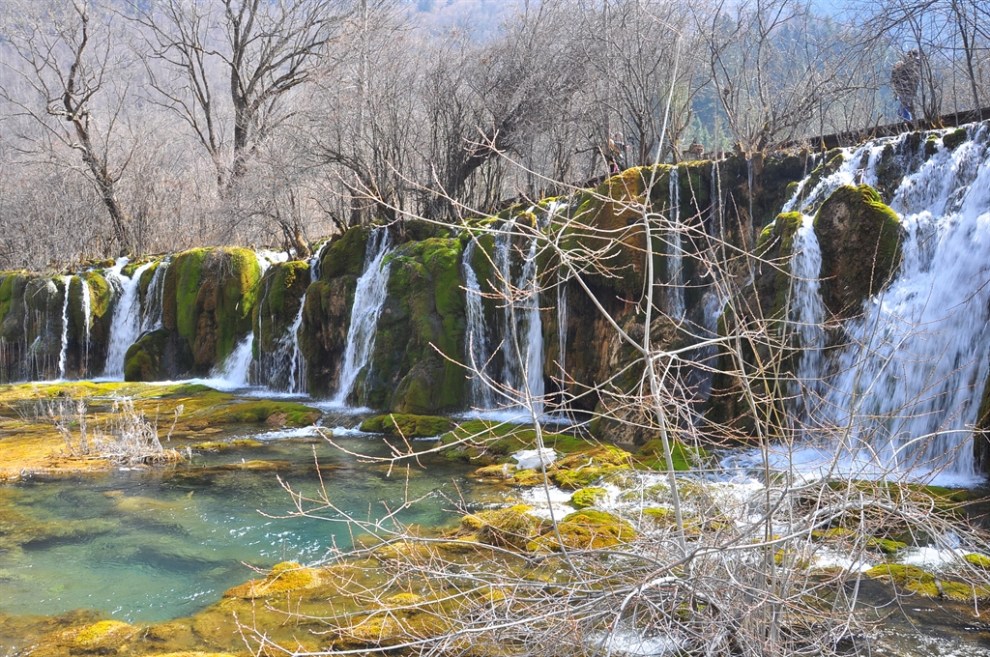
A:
[905,390]
[87,312]
[154,303]
[369,299]
[236,369]
[63,353]
[675,266]
[476,333]
[126,326]
[522,328]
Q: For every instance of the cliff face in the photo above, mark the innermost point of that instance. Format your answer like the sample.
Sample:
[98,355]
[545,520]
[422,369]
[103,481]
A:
[646,245]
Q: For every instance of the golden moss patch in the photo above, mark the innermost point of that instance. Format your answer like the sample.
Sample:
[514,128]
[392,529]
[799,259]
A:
[284,577]
[587,529]
[106,636]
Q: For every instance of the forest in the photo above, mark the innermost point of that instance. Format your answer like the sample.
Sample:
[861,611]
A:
[143,127]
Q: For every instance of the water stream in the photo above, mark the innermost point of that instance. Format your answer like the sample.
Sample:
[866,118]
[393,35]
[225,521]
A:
[151,545]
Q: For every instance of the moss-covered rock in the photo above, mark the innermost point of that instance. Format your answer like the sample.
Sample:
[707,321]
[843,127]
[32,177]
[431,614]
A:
[407,426]
[279,301]
[860,240]
[590,496]
[512,527]
[210,295]
[284,577]
[104,637]
[146,359]
[420,338]
[30,326]
[327,309]
[922,582]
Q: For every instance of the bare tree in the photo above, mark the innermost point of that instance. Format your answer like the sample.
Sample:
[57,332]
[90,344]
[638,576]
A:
[66,78]
[226,69]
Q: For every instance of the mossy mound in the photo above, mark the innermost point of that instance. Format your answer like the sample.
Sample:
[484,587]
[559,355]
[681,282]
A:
[581,469]
[209,300]
[860,240]
[587,529]
[979,560]
[420,334]
[590,496]
[146,359]
[488,441]
[283,578]
[684,457]
[255,411]
[407,426]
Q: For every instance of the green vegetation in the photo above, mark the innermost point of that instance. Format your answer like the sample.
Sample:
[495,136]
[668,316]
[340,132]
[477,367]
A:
[407,426]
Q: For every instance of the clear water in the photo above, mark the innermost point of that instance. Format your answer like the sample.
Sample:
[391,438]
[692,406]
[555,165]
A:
[174,540]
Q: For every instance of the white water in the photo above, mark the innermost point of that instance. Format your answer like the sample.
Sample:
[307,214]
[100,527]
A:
[151,318]
[236,369]
[297,362]
[904,393]
[63,352]
[87,308]
[126,326]
[675,253]
[476,333]
[369,299]
[522,327]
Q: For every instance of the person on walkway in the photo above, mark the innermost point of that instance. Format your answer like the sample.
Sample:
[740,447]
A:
[904,79]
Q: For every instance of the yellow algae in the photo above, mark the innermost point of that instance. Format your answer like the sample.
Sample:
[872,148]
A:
[103,637]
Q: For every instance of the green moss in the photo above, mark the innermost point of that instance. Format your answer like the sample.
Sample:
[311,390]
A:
[408,426]
[586,497]
[955,138]
[922,582]
[284,577]
[496,441]
[100,293]
[272,413]
[685,457]
[345,254]
[182,283]
[145,359]
[860,240]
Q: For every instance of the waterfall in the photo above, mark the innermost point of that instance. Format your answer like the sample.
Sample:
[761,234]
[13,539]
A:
[522,328]
[126,326]
[478,349]
[369,299]
[87,311]
[154,301]
[675,267]
[63,352]
[904,390]
[236,369]
[534,326]
[806,313]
